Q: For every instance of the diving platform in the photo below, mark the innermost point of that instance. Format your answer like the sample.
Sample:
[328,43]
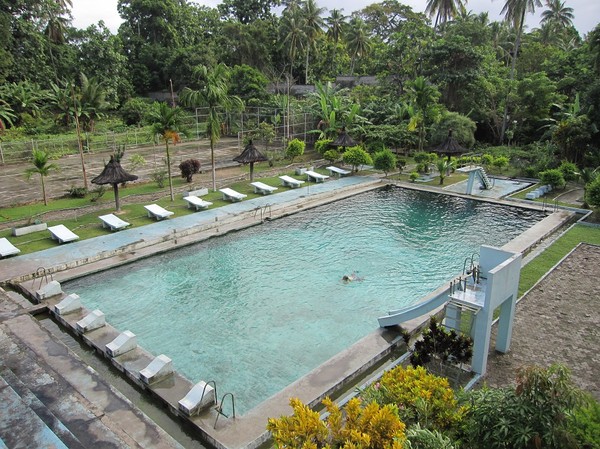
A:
[476,173]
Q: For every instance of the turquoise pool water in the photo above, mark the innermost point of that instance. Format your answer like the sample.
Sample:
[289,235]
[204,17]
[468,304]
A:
[257,309]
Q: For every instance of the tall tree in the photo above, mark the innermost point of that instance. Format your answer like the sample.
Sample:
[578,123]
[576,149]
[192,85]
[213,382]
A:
[558,14]
[167,123]
[247,11]
[212,94]
[514,12]
[443,10]
[43,167]
[294,35]
[335,29]
[357,40]
[424,99]
[312,23]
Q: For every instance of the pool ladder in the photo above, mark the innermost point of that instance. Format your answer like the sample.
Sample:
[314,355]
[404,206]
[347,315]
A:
[265,212]
[42,273]
[219,407]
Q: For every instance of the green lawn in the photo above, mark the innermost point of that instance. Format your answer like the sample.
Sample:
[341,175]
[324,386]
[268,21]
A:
[86,224]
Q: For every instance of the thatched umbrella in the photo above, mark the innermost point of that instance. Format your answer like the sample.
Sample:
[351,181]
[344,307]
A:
[250,155]
[450,147]
[114,174]
[343,140]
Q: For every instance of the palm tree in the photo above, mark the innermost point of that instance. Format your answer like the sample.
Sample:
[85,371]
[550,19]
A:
[167,124]
[42,167]
[312,23]
[514,12]
[335,29]
[558,14]
[213,95]
[358,40]
[443,10]
[294,34]
[91,101]
[424,99]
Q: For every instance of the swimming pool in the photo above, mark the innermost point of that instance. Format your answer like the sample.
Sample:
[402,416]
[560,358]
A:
[257,309]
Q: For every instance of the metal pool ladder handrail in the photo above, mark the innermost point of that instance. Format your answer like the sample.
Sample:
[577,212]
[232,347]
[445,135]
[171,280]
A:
[42,273]
[219,408]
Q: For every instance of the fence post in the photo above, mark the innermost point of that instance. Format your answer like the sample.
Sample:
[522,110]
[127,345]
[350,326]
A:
[1,154]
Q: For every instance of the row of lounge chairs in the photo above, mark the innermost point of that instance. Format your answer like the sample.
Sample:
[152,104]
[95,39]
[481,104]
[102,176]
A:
[62,234]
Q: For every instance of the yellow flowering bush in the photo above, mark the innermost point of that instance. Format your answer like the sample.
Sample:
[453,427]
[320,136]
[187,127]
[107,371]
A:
[419,396]
[354,427]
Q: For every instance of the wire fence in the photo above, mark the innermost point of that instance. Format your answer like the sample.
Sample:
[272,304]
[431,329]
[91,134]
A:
[236,125]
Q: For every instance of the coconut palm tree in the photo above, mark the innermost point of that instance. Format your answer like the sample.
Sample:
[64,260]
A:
[558,14]
[42,167]
[167,124]
[514,13]
[443,10]
[335,29]
[294,34]
[312,23]
[214,84]
[357,40]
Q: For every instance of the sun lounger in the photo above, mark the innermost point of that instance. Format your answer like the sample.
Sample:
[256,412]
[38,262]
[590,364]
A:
[7,248]
[112,222]
[337,171]
[262,188]
[314,176]
[232,195]
[155,211]
[288,181]
[198,203]
[62,234]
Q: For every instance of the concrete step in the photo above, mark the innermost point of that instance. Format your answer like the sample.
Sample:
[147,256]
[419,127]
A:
[43,413]
[93,412]
[20,426]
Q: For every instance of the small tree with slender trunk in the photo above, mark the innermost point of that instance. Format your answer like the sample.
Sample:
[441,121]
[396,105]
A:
[167,124]
[42,167]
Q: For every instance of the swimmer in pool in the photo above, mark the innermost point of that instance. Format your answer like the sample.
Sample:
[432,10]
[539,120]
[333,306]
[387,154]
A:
[351,277]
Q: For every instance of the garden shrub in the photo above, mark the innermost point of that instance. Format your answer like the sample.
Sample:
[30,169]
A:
[295,148]
[420,438]
[500,162]
[584,423]
[356,156]
[322,145]
[369,427]
[487,159]
[77,192]
[414,176]
[569,171]
[159,177]
[385,161]
[532,415]
[189,168]
[592,193]
[331,155]
[554,177]
[421,397]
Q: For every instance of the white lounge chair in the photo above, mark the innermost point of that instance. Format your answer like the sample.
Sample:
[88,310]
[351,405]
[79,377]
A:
[288,181]
[262,188]
[314,176]
[198,203]
[112,222]
[337,171]
[232,195]
[7,248]
[62,234]
[155,211]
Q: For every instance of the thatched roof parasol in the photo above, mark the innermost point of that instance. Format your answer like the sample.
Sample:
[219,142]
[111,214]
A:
[114,174]
[343,140]
[450,146]
[250,155]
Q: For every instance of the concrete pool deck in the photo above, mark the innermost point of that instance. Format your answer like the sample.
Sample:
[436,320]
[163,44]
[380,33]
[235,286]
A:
[248,431]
